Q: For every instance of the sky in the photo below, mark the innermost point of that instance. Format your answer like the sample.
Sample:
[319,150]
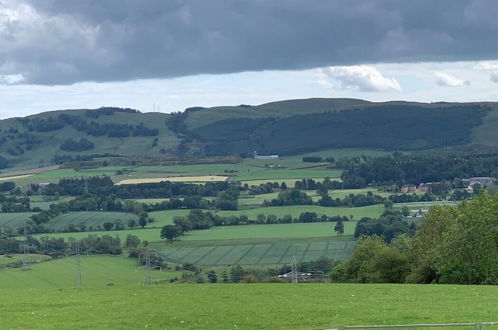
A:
[167,55]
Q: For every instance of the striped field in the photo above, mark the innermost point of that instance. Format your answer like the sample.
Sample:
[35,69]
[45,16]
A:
[258,254]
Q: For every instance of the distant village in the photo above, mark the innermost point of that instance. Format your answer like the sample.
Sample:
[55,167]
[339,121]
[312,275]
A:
[471,183]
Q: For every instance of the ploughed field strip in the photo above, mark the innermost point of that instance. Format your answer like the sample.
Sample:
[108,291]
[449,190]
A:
[258,254]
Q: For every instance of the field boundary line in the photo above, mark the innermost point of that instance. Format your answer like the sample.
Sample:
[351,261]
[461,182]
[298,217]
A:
[210,249]
[187,254]
[170,252]
[305,252]
[284,254]
[266,252]
[243,255]
[223,256]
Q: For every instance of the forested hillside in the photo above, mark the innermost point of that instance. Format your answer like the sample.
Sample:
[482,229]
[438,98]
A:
[285,127]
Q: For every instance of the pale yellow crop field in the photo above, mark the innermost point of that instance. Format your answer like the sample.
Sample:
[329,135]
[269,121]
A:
[200,179]
[7,178]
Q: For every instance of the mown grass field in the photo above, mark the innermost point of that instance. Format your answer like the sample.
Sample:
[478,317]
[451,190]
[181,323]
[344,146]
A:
[270,253]
[246,306]
[296,210]
[285,230]
[165,217]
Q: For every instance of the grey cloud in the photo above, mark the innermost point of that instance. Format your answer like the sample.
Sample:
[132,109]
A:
[63,42]
[494,77]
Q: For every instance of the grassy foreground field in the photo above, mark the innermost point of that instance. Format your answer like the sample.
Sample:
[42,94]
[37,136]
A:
[246,306]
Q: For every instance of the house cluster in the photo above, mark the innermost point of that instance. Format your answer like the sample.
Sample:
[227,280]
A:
[483,181]
[411,188]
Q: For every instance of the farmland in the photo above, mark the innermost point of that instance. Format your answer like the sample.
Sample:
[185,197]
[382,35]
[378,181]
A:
[246,306]
[98,271]
[295,210]
[165,217]
[14,220]
[90,219]
[285,230]
[148,234]
[270,253]
[59,223]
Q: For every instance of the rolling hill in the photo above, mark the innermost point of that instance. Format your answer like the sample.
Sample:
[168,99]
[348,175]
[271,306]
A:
[284,127]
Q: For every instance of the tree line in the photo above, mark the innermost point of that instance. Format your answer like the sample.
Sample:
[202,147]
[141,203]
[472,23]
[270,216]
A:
[401,169]
[454,244]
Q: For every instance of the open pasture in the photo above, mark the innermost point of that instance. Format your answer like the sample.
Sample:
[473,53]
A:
[285,230]
[165,217]
[279,174]
[258,254]
[148,234]
[246,306]
[97,271]
[90,219]
[296,210]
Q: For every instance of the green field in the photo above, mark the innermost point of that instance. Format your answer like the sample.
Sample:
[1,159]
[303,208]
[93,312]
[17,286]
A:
[97,271]
[14,220]
[148,234]
[165,217]
[296,210]
[285,230]
[93,219]
[246,306]
[285,174]
[252,201]
[271,253]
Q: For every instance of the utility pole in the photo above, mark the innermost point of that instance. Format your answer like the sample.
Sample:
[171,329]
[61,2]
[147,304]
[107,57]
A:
[294,270]
[26,259]
[148,277]
[78,281]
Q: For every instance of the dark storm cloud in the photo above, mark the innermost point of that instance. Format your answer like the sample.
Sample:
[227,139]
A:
[62,41]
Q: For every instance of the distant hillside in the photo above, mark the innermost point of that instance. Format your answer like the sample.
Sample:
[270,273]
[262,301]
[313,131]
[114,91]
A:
[53,136]
[284,127]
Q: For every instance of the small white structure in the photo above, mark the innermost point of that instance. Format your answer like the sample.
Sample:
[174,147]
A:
[272,157]
[483,181]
